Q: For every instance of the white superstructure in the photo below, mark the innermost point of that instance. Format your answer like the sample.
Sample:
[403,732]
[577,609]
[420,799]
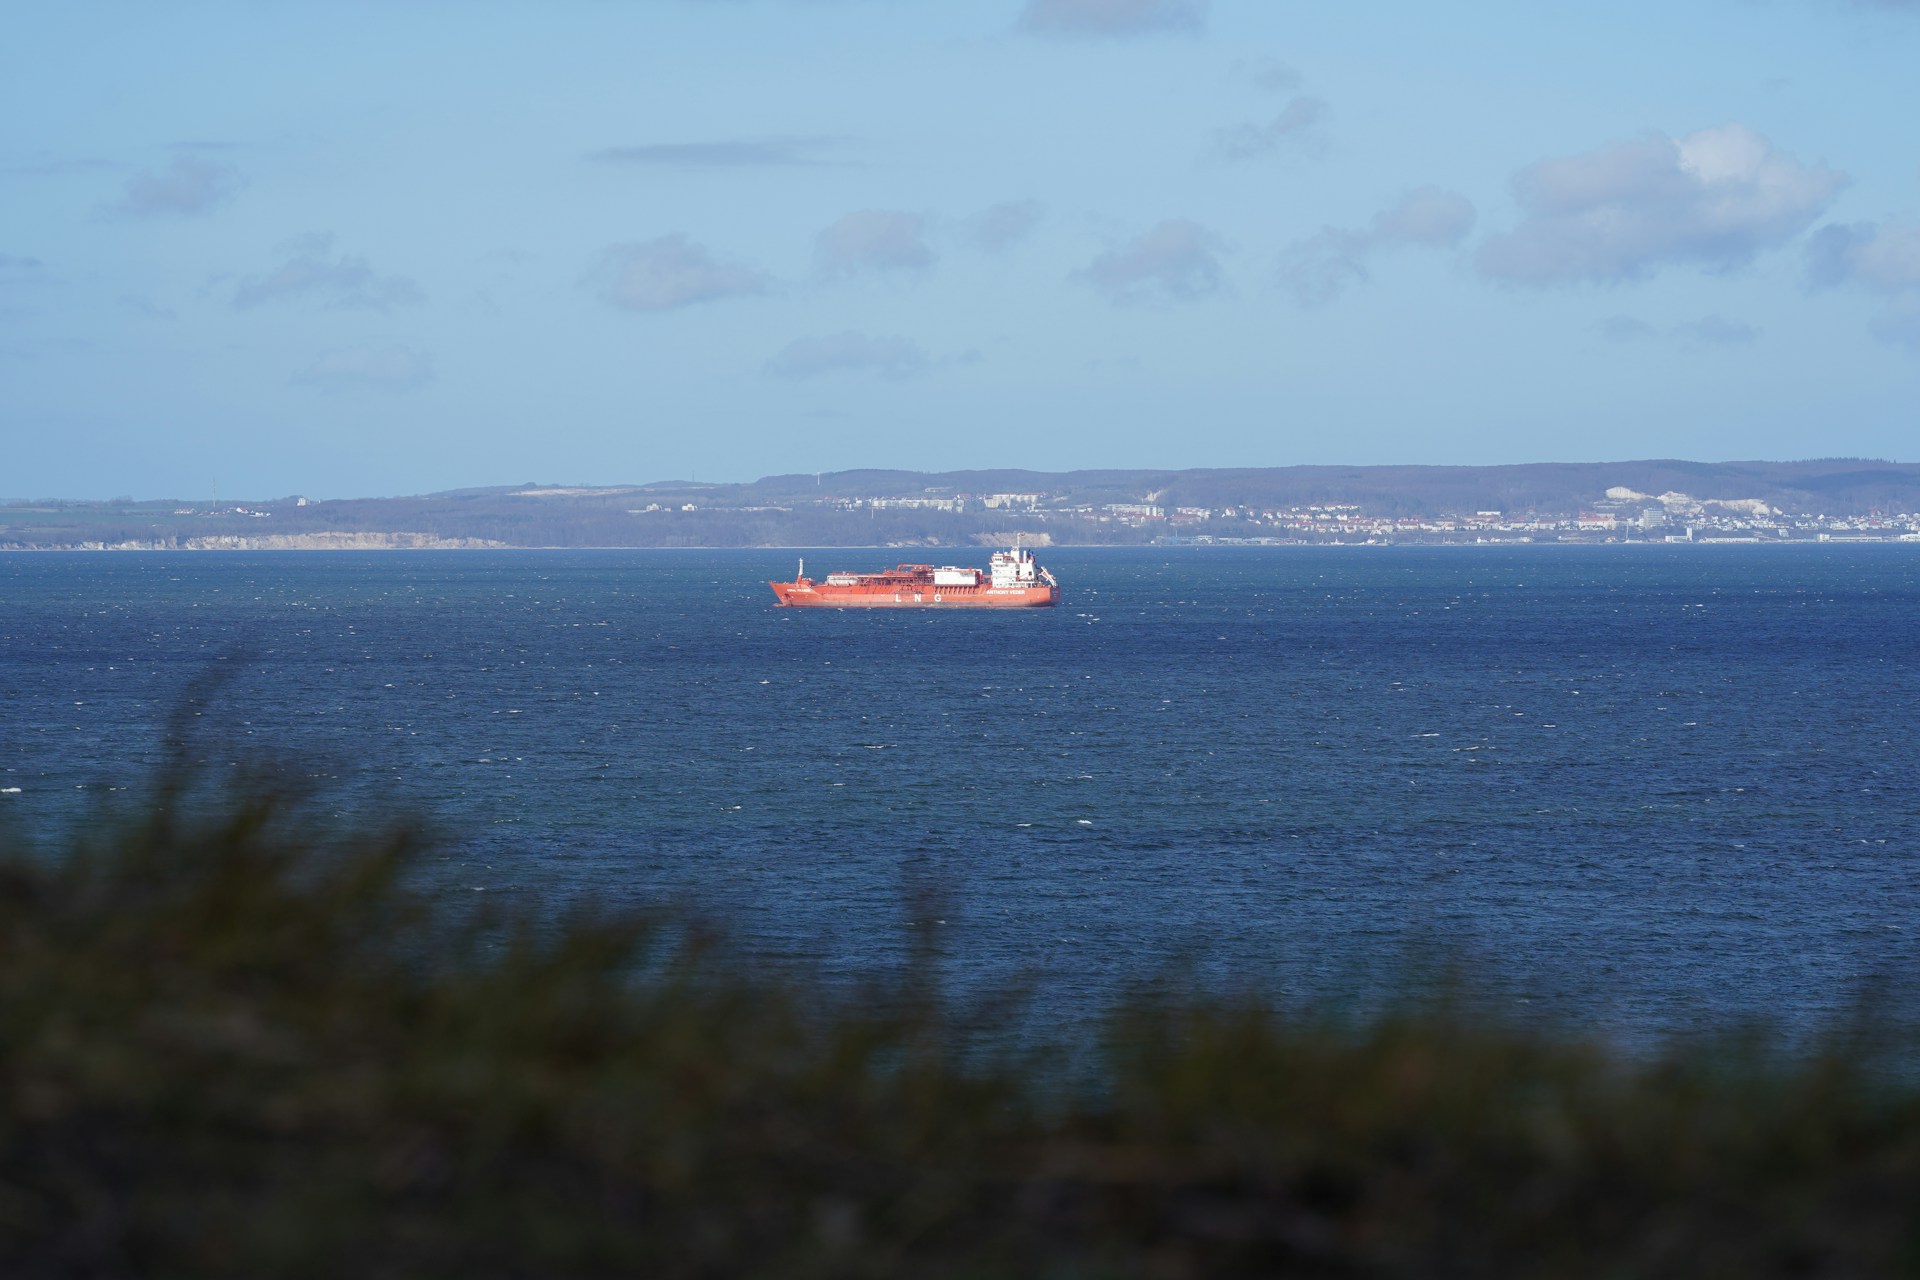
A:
[1017,568]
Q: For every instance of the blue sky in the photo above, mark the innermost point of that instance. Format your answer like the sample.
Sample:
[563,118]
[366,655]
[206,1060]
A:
[357,249]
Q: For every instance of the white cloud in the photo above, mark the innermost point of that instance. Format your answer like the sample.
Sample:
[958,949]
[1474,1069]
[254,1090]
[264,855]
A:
[1429,217]
[369,368]
[668,273]
[311,271]
[1112,17]
[190,186]
[1295,121]
[1172,262]
[1884,259]
[1899,329]
[1624,329]
[873,240]
[1004,224]
[147,308]
[1315,270]
[1717,331]
[1269,74]
[1712,330]
[848,352]
[727,153]
[1716,197]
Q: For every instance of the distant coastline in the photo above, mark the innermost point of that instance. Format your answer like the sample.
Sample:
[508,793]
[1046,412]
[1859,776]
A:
[1826,500]
[962,552]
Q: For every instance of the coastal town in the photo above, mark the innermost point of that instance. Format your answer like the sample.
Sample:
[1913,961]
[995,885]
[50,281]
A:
[1838,500]
[1621,515]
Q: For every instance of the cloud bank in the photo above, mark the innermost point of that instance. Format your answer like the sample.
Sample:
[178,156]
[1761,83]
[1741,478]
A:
[312,272]
[873,240]
[1314,271]
[848,352]
[1112,17]
[1714,198]
[668,273]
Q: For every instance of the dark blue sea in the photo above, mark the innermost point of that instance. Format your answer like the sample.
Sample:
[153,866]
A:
[1633,790]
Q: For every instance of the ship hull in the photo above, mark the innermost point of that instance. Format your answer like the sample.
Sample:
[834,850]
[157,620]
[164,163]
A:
[1013,581]
[807,595]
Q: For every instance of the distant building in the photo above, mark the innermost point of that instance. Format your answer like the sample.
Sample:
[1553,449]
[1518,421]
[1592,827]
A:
[915,504]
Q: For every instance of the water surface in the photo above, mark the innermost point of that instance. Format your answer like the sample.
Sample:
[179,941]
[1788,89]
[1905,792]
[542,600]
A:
[1638,787]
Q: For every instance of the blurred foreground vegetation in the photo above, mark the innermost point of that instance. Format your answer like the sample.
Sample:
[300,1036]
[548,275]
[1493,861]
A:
[231,1046]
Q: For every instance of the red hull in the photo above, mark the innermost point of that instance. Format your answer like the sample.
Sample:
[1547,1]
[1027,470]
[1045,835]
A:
[813,595]
[1014,581]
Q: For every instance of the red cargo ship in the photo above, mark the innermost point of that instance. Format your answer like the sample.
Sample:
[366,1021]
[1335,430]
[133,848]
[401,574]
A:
[1012,580]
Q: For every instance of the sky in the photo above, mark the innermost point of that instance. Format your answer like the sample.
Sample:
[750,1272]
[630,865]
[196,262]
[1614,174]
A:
[347,249]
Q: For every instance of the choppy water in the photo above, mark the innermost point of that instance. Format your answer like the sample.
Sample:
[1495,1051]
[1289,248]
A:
[1636,786]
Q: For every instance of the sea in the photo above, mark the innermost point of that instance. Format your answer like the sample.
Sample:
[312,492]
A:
[1631,791]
